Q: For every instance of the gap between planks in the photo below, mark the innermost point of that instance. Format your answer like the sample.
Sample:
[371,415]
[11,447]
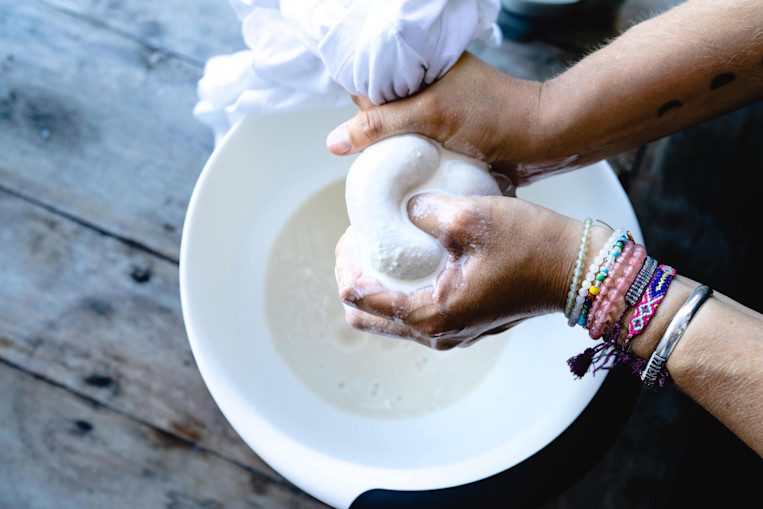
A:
[173,436]
[87,224]
[98,23]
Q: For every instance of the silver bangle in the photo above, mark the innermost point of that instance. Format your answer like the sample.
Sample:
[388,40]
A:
[672,334]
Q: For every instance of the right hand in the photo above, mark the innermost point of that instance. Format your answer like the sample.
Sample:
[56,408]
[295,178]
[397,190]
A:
[474,109]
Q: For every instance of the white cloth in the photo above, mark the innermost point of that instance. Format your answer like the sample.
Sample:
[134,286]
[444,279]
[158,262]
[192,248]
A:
[310,53]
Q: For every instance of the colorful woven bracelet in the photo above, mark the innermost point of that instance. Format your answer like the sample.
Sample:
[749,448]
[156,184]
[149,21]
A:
[592,270]
[632,298]
[577,270]
[642,279]
[653,295]
[604,270]
[606,287]
[615,305]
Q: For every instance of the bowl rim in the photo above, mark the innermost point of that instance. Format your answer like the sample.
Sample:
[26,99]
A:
[280,450]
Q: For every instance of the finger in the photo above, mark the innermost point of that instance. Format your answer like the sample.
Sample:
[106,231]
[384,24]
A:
[439,216]
[364,293]
[373,123]
[504,184]
[371,297]
[375,324]
[352,284]
[346,270]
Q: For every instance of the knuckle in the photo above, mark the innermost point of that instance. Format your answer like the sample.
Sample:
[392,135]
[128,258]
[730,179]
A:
[348,294]
[431,328]
[434,116]
[462,222]
[371,125]
[354,318]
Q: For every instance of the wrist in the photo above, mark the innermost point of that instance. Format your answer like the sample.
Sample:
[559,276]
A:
[569,243]
[646,342]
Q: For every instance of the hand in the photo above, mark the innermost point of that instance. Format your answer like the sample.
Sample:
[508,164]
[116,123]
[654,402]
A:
[508,260]
[474,109]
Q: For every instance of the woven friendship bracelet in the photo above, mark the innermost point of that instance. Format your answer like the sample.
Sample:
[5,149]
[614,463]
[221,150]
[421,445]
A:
[653,295]
[642,279]
[615,304]
[604,270]
[606,287]
[577,270]
[632,298]
[592,270]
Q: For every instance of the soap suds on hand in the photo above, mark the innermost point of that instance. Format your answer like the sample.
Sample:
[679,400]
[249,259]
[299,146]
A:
[383,178]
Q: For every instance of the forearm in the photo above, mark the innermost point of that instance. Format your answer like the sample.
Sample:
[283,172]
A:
[695,62]
[718,361]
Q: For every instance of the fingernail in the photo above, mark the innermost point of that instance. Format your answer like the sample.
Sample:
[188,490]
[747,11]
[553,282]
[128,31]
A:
[338,141]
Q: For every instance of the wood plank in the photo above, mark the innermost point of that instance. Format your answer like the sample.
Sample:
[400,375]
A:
[61,450]
[103,318]
[198,30]
[98,125]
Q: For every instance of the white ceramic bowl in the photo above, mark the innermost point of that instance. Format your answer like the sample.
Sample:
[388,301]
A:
[261,173]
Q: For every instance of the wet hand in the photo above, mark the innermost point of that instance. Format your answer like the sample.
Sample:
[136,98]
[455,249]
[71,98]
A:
[508,260]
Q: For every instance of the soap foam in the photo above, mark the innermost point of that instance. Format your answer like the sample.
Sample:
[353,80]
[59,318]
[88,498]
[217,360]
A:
[389,247]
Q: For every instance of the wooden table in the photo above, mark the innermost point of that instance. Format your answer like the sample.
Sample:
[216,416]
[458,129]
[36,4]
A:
[101,404]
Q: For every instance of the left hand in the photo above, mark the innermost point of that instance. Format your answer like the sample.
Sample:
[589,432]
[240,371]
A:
[503,266]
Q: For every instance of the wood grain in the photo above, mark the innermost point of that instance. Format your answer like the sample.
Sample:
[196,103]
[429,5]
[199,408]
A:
[103,319]
[102,404]
[61,450]
[97,125]
[194,30]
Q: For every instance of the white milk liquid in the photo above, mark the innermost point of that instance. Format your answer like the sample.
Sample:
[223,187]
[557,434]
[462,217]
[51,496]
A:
[366,374]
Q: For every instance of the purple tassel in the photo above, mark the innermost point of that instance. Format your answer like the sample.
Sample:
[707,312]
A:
[607,355]
[598,356]
[580,363]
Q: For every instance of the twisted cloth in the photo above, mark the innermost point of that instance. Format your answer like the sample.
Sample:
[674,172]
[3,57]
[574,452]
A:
[307,54]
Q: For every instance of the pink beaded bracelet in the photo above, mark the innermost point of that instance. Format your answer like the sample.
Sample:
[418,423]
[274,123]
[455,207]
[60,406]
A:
[615,304]
[600,304]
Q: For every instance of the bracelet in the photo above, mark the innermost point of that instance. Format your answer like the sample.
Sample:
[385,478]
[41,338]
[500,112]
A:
[645,273]
[632,298]
[615,305]
[604,270]
[642,279]
[600,303]
[577,270]
[658,359]
[583,291]
[653,295]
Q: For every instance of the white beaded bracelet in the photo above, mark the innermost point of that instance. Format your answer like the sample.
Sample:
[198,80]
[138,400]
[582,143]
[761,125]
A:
[577,270]
[593,269]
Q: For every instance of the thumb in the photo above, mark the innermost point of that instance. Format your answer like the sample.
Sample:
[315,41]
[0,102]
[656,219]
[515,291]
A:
[371,124]
[438,215]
